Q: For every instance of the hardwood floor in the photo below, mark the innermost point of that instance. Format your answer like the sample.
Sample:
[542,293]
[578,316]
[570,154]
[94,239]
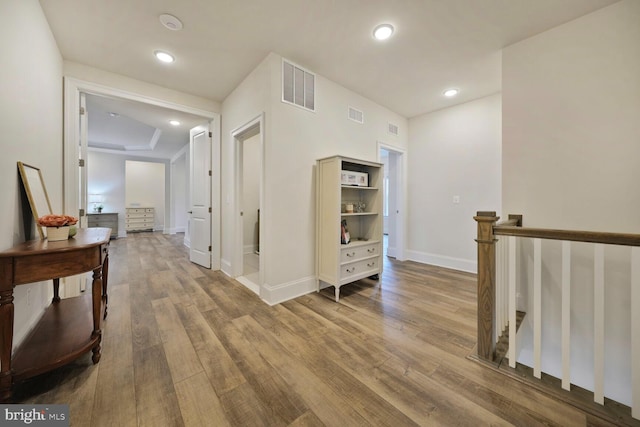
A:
[187,346]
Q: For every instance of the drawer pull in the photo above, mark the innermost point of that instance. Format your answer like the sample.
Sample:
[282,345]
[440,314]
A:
[371,250]
[351,269]
[351,254]
[371,264]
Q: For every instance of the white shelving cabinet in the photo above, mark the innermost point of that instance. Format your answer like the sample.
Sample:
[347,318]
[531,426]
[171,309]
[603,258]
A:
[338,264]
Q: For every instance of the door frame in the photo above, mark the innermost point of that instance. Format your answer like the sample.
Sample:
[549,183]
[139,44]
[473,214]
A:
[239,135]
[72,89]
[401,200]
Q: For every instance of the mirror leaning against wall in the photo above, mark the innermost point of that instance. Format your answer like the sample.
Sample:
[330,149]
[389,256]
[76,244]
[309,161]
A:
[36,193]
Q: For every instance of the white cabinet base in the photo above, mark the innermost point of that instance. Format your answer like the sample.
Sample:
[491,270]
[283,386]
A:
[140,219]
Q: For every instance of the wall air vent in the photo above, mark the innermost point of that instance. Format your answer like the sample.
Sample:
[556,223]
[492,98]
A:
[298,86]
[356,115]
[393,129]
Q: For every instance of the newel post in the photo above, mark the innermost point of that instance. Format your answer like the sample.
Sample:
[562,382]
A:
[486,283]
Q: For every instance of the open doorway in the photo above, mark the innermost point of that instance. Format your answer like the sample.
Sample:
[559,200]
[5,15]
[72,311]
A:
[393,209]
[249,252]
[107,155]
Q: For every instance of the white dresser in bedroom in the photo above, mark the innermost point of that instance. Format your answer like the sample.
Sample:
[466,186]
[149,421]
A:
[140,219]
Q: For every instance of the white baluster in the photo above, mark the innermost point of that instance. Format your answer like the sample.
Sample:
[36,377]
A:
[598,324]
[512,300]
[498,295]
[566,315]
[505,276]
[635,332]
[537,308]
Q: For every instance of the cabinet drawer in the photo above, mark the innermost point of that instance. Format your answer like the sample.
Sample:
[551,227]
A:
[139,218]
[106,224]
[358,252]
[366,267]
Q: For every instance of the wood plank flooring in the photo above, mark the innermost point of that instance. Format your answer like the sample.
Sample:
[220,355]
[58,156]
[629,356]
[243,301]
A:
[187,346]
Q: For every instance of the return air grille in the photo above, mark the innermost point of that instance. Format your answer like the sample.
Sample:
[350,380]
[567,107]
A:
[356,115]
[298,86]
[393,129]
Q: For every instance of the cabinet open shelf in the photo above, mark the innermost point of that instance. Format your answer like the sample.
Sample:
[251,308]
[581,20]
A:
[338,264]
[355,187]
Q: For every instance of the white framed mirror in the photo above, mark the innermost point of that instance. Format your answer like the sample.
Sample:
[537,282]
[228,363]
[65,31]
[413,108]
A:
[36,192]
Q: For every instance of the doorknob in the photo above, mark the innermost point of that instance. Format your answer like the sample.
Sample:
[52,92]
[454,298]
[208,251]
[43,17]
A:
[190,212]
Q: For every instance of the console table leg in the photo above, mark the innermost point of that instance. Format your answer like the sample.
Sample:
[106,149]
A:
[105,281]
[6,342]
[56,290]
[96,294]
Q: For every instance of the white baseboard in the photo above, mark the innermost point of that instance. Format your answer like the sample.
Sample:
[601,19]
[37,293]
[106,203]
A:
[249,249]
[275,294]
[391,251]
[470,266]
[249,284]
[176,230]
[225,266]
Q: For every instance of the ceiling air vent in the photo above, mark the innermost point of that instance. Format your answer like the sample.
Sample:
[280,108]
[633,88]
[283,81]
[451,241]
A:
[298,86]
[393,129]
[356,115]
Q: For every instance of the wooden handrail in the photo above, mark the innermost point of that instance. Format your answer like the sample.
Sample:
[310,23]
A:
[623,239]
[488,229]
[514,220]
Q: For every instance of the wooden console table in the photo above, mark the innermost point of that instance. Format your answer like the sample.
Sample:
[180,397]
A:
[69,327]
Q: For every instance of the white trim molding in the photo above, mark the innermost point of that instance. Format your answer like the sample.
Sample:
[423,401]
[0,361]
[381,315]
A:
[275,294]
[470,266]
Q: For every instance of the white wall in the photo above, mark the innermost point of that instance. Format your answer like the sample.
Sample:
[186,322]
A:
[105,175]
[245,103]
[31,111]
[298,138]
[251,171]
[571,102]
[179,193]
[118,81]
[453,152]
[571,106]
[145,187]
[294,140]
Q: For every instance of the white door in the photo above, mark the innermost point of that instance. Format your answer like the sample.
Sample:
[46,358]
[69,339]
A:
[72,286]
[200,188]
[83,143]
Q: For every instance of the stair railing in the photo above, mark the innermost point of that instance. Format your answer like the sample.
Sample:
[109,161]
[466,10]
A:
[497,294]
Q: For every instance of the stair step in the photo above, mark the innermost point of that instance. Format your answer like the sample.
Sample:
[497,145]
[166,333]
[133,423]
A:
[502,344]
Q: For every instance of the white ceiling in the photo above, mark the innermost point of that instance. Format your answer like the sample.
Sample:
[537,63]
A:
[438,44]
[137,129]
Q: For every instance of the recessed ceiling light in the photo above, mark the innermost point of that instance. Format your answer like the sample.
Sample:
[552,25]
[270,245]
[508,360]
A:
[174,122]
[164,56]
[383,31]
[112,114]
[171,22]
[450,92]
